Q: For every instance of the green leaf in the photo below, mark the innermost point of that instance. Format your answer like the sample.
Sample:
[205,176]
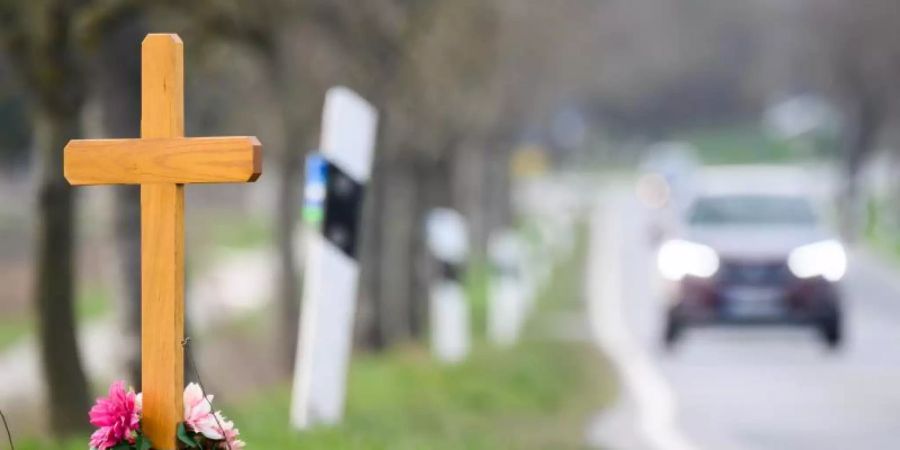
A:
[185,437]
[142,443]
[122,446]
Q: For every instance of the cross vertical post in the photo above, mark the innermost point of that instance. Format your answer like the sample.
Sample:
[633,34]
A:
[162,245]
[162,161]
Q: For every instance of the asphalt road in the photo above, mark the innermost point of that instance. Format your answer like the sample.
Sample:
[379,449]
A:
[762,388]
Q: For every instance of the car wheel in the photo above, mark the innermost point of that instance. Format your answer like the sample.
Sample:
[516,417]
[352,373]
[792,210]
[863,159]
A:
[830,328]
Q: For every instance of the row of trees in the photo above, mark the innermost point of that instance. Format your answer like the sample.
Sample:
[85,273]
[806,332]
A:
[452,105]
[854,50]
[458,83]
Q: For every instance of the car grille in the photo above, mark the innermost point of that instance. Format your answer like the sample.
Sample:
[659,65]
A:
[754,273]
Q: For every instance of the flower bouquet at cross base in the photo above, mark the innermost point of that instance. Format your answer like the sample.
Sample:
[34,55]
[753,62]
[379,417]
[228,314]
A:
[118,420]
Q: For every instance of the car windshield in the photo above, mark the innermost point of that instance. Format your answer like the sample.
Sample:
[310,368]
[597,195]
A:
[752,210]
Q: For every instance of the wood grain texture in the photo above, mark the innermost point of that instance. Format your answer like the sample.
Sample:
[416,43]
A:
[162,161]
[142,161]
[162,246]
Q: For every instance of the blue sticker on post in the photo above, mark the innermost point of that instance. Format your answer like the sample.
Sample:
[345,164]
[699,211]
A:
[315,190]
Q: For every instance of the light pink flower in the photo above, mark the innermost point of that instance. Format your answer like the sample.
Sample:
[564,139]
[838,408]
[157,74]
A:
[118,417]
[231,434]
[198,412]
[198,416]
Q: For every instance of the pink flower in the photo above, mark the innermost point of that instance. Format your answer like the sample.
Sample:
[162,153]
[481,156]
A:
[198,416]
[198,412]
[231,433]
[118,417]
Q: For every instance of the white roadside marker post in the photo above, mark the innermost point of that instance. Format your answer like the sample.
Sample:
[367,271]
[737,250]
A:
[336,179]
[507,310]
[448,240]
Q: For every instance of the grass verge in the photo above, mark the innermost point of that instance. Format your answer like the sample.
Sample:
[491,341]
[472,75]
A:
[539,394]
[738,145]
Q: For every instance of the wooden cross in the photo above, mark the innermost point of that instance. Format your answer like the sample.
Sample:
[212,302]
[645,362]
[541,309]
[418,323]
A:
[162,161]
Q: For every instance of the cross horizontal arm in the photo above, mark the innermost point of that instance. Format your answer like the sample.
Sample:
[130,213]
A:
[175,160]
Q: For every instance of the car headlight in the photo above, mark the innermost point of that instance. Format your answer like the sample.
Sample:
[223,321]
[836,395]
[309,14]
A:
[677,259]
[826,259]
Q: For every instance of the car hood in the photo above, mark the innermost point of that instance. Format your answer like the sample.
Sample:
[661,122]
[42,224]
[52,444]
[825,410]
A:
[756,242]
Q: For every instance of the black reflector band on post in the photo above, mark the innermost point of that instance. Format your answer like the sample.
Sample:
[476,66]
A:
[343,208]
[451,271]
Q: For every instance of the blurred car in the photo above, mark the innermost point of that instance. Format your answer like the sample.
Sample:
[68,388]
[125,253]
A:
[753,254]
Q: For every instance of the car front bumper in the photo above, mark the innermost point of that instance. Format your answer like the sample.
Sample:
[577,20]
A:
[793,301]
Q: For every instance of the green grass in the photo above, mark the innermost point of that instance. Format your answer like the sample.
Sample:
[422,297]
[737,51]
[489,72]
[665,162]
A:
[535,397]
[12,331]
[92,303]
[539,394]
[242,232]
[880,234]
[476,286]
[738,145]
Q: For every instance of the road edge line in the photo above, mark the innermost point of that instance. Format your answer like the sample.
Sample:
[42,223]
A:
[656,403]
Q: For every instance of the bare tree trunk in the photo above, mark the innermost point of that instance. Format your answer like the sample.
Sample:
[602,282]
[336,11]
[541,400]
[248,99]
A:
[288,277]
[66,380]
[128,240]
[49,68]
[289,157]
[433,181]
[370,312]
[860,141]
[418,253]
[398,228]
[468,186]
[118,88]
[497,196]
